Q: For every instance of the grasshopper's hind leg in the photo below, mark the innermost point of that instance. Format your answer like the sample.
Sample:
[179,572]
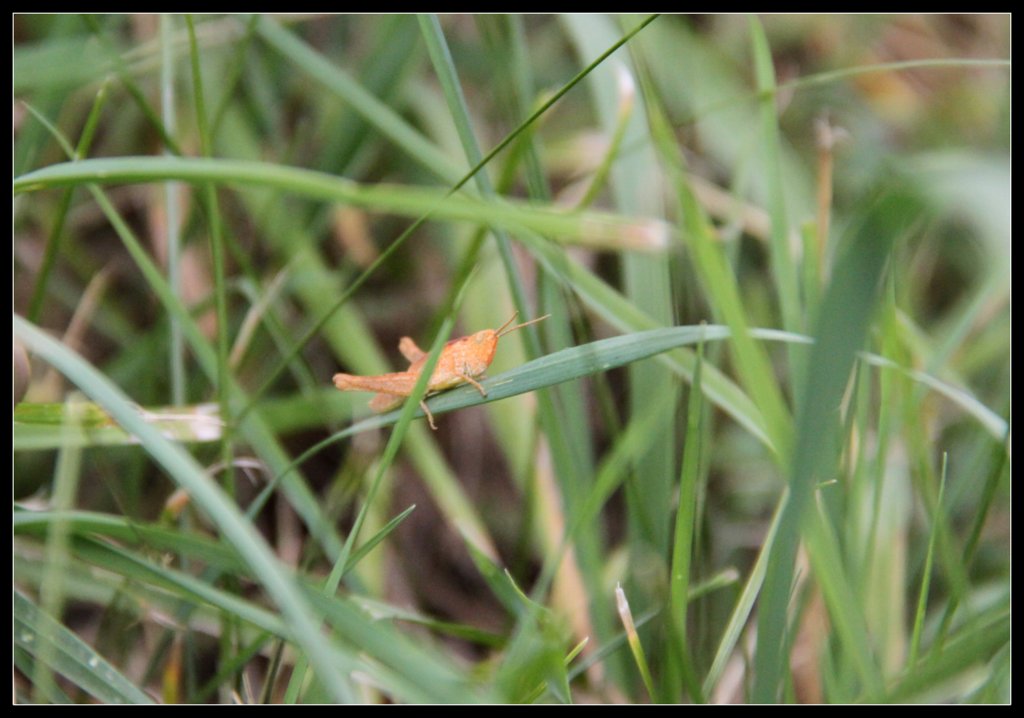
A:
[381,403]
[410,351]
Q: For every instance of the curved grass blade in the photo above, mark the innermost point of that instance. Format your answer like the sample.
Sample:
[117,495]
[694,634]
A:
[71,657]
[154,536]
[401,199]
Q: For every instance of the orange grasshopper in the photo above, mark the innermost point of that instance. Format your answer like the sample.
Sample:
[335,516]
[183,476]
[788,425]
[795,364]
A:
[461,361]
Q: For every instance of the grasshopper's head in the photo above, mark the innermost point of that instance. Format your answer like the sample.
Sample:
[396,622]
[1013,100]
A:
[480,349]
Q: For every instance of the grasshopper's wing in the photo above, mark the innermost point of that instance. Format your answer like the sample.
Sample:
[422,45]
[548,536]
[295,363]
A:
[410,351]
[391,389]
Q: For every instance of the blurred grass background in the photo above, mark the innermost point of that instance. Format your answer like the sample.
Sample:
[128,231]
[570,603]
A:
[783,521]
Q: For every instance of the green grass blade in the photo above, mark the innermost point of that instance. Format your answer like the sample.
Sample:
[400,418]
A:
[56,558]
[72,658]
[686,526]
[847,616]
[783,265]
[926,573]
[153,536]
[847,308]
[218,261]
[744,605]
[405,200]
[974,644]
[56,233]
[172,199]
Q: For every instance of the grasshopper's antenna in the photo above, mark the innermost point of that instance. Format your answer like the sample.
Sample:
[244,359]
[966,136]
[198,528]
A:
[502,327]
[502,330]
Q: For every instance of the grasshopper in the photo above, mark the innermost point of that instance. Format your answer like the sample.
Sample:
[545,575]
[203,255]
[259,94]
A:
[461,361]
